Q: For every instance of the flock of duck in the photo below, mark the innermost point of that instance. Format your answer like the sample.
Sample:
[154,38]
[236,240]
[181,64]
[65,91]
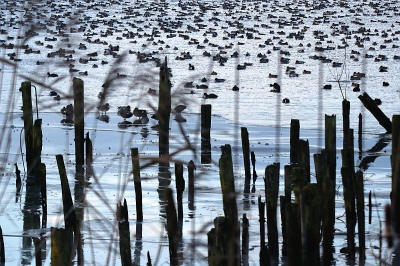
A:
[101,32]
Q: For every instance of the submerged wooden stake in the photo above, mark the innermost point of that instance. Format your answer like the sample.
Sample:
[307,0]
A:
[383,120]
[124,234]
[359,188]
[180,187]
[28,124]
[229,203]
[138,183]
[2,249]
[68,206]
[245,240]
[164,109]
[246,159]
[172,228]
[205,133]
[395,162]
[61,246]
[191,168]
[294,137]
[271,192]
[79,123]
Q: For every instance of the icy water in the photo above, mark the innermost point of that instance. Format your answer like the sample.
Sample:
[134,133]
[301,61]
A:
[174,30]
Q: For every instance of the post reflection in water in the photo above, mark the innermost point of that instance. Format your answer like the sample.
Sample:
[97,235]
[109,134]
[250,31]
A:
[31,223]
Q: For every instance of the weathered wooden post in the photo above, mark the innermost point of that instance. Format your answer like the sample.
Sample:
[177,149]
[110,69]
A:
[61,246]
[359,184]
[271,192]
[395,162]
[205,133]
[253,163]
[312,203]
[172,228]
[68,206]
[360,128]
[229,203]
[164,109]
[293,234]
[2,249]
[37,148]
[79,123]
[124,234]
[89,155]
[138,183]
[303,155]
[329,188]
[180,187]
[28,124]
[294,137]
[246,159]
[43,191]
[245,240]
[191,167]
[383,120]
[346,120]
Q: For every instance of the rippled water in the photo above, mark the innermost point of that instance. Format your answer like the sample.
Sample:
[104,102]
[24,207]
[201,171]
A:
[254,106]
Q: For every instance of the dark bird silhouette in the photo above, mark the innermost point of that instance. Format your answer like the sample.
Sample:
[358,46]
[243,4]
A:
[103,108]
[125,112]
[210,96]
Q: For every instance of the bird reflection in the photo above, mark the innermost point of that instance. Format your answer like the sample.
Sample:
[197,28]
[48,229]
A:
[104,118]
[144,132]
[124,124]
[180,119]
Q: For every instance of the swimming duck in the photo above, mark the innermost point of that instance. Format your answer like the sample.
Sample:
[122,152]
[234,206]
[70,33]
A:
[210,96]
[276,87]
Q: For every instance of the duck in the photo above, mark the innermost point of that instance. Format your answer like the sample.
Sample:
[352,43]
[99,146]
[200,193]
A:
[124,112]
[210,96]
[104,108]
[139,112]
[327,87]
[191,67]
[52,75]
[285,100]
[235,88]
[152,91]
[272,76]
[276,87]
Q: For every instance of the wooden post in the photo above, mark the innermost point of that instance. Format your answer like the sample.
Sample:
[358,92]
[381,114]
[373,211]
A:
[172,228]
[229,202]
[164,109]
[246,159]
[218,242]
[38,251]
[124,234]
[312,202]
[79,123]
[360,128]
[359,184]
[2,249]
[349,199]
[138,183]
[346,121]
[261,213]
[68,206]
[180,187]
[89,154]
[293,234]
[28,124]
[191,168]
[383,120]
[37,148]
[303,153]
[245,240]
[43,191]
[253,163]
[271,192]
[395,162]
[294,137]
[205,133]
[329,188]
[61,246]
[370,207]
